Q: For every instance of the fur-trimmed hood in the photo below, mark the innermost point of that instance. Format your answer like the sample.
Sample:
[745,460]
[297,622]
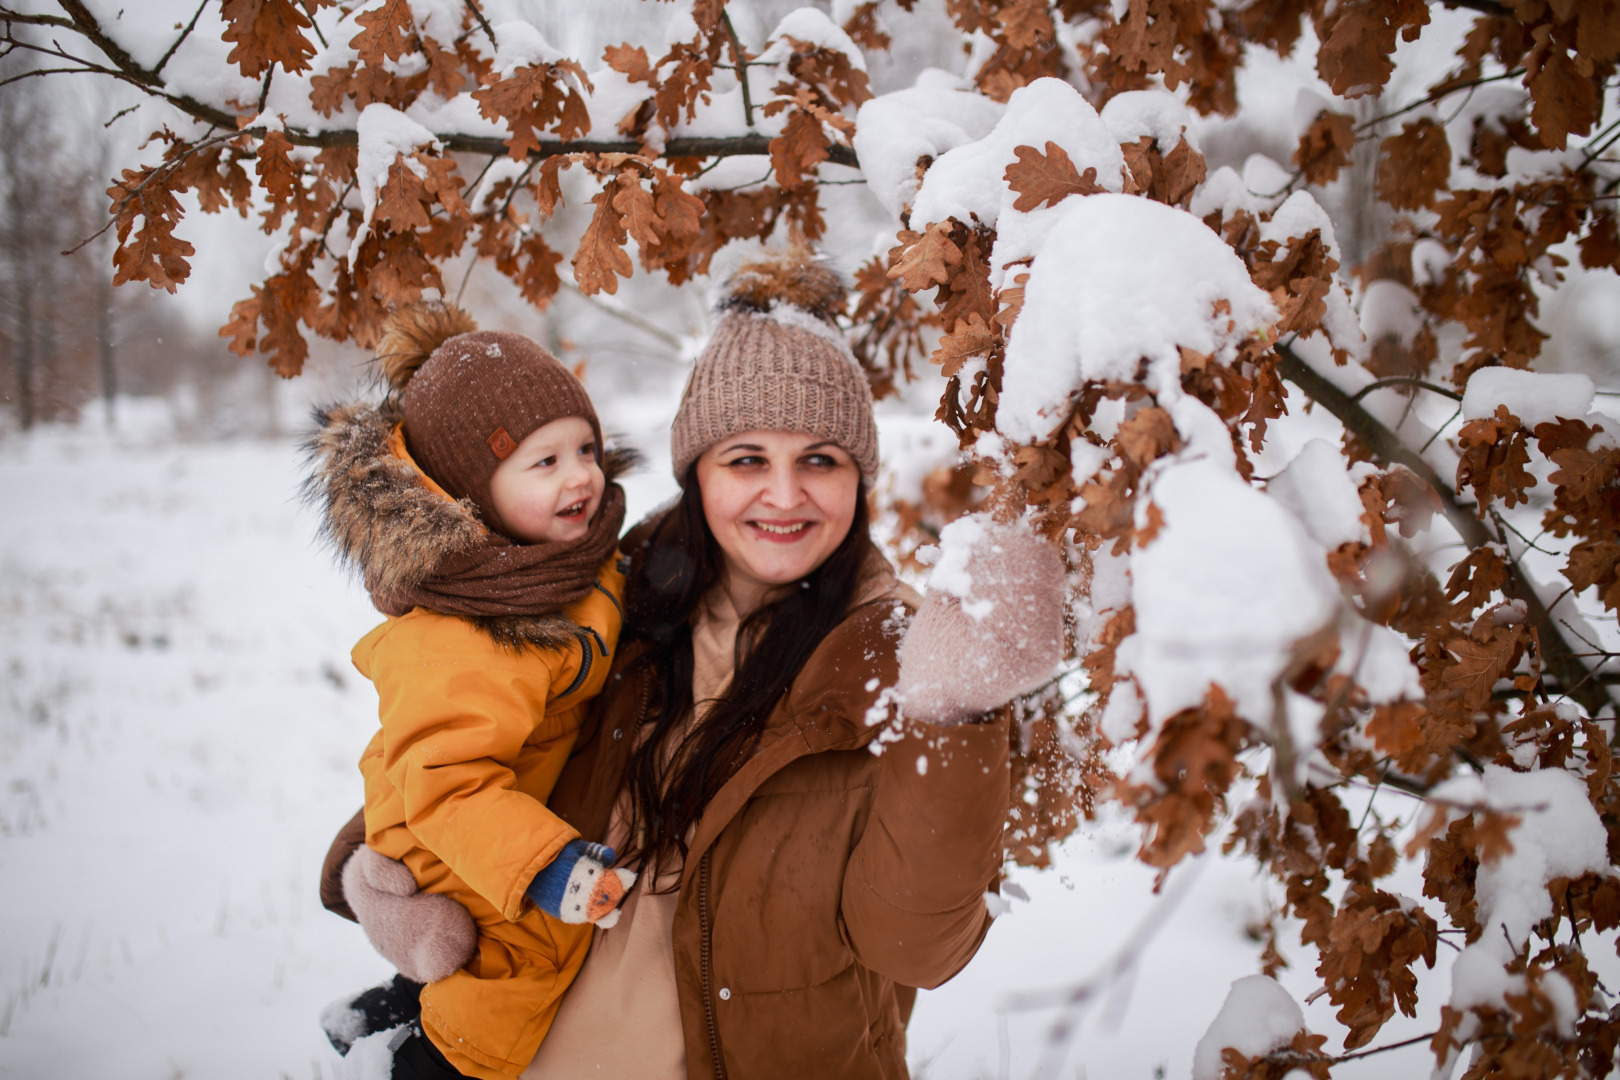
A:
[387,522]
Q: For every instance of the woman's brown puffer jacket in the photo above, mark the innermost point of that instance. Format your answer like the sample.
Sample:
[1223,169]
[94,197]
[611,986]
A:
[824,881]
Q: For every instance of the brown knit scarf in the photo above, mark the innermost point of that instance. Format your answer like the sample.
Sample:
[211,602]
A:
[499,577]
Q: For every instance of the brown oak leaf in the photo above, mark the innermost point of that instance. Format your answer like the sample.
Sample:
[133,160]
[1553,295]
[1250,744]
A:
[1415,165]
[264,33]
[1047,179]
[972,338]
[387,31]
[1325,147]
[924,260]
[601,253]
[632,63]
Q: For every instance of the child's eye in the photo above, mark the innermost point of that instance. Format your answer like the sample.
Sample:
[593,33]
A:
[546,462]
[589,449]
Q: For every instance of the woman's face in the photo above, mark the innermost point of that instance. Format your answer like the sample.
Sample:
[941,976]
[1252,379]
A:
[778,503]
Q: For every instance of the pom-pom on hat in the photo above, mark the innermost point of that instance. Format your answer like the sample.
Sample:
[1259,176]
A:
[777,361]
[469,396]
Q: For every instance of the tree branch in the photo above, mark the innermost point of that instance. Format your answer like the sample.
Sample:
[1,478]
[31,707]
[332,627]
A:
[1484,7]
[489,31]
[1561,659]
[124,67]
[741,58]
[181,40]
[1405,380]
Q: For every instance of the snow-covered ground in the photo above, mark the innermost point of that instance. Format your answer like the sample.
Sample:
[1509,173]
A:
[179,725]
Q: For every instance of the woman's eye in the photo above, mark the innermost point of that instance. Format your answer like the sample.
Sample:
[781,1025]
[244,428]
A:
[821,461]
[746,460]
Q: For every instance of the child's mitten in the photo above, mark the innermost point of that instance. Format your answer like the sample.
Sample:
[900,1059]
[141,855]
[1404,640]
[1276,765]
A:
[425,935]
[578,886]
[962,658]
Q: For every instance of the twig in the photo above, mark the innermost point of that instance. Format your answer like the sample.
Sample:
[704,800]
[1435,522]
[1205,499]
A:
[161,170]
[1430,440]
[1074,998]
[1383,1049]
[630,318]
[1364,814]
[1405,380]
[119,115]
[1529,545]
[741,58]
[1435,95]
[1594,151]
[472,6]
[181,40]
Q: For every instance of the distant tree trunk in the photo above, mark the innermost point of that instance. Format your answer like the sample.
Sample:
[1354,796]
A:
[23,357]
[104,346]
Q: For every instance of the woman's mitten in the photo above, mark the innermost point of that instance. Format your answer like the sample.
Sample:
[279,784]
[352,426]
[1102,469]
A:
[425,935]
[991,626]
[578,886]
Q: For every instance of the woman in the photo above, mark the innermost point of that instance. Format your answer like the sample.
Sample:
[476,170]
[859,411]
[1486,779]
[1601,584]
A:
[808,856]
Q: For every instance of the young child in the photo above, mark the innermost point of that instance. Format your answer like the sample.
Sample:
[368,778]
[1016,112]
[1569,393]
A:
[479,506]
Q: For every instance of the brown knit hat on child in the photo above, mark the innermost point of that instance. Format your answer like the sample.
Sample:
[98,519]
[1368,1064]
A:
[777,361]
[470,396]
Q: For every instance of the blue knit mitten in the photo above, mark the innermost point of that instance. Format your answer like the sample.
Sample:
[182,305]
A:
[578,886]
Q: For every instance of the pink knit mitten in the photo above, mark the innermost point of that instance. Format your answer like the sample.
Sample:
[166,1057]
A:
[991,626]
[425,935]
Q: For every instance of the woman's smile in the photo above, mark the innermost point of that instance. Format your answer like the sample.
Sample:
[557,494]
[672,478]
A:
[782,532]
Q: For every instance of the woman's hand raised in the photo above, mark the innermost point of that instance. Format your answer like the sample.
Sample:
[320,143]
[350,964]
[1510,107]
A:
[991,626]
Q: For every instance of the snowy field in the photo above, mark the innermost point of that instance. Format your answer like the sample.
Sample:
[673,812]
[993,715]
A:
[179,726]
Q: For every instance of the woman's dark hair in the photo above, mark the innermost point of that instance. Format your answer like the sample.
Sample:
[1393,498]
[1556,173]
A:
[678,768]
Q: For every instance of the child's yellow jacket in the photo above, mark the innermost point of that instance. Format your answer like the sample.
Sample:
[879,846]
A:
[478,717]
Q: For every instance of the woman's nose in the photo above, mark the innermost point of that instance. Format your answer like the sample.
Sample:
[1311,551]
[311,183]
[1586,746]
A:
[782,489]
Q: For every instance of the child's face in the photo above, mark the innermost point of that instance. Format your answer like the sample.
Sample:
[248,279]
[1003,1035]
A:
[550,486]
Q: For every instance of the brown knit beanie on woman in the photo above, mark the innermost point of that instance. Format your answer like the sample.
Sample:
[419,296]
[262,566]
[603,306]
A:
[470,396]
[777,361]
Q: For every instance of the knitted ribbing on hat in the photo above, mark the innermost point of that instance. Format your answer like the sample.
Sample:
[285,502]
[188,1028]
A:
[774,364]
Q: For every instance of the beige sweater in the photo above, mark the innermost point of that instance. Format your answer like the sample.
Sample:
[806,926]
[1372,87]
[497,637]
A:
[622,1016]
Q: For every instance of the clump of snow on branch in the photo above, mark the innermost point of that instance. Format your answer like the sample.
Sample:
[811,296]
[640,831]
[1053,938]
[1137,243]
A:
[1258,1016]
[937,114]
[1559,835]
[968,183]
[1230,582]
[1127,278]
[1321,492]
[1534,397]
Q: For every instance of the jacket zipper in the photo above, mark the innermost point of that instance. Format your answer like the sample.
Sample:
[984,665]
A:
[586,656]
[708,969]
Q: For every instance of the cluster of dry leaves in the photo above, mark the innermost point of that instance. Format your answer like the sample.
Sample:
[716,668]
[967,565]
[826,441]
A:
[1491,661]
[424,215]
[1486,663]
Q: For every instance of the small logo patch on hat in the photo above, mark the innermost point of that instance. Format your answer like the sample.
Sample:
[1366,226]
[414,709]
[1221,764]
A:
[502,443]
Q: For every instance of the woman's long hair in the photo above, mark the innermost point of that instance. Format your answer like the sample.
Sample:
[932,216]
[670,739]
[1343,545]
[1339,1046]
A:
[678,767]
